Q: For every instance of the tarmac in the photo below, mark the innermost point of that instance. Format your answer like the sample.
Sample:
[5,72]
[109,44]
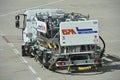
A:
[15,67]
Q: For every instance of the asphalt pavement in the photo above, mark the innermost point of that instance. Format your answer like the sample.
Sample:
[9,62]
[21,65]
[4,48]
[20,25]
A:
[15,67]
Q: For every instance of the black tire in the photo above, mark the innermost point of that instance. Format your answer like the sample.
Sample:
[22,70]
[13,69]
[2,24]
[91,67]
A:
[23,51]
[45,60]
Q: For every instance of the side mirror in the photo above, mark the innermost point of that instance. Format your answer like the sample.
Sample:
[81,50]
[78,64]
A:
[17,24]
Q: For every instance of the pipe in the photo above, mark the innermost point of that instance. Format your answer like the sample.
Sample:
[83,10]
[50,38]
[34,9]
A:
[104,46]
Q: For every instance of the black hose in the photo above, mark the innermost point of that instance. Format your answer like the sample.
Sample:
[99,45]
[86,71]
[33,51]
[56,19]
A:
[103,50]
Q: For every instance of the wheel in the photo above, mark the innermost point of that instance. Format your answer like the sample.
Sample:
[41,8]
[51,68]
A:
[23,51]
[42,58]
[98,68]
[45,60]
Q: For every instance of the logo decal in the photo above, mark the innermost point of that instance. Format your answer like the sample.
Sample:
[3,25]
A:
[78,31]
[85,31]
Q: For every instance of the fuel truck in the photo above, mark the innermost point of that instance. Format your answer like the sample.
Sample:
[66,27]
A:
[61,40]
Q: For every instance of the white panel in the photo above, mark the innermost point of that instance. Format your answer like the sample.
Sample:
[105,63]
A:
[41,26]
[79,33]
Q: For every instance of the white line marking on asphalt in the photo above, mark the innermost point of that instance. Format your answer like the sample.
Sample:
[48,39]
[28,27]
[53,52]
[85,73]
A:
[16,51]
[50,3]
[24,60]
[34,72]
[38,78]
[11,45]
[1,33]
[108,59]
